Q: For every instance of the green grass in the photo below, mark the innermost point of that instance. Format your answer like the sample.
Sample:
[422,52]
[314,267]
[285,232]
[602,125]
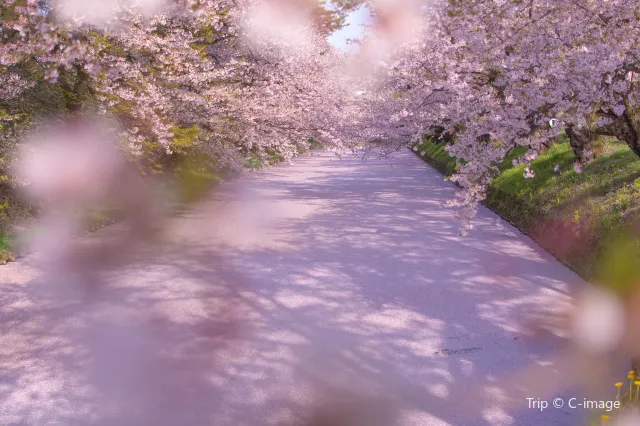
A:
[437,157]
[313,144]
[6,254]
[5,241]
[594,208]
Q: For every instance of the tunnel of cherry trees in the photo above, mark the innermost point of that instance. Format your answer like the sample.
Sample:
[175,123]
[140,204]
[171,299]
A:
[275,250]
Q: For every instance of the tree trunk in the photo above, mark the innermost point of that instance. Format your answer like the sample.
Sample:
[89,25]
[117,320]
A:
[586,144]
[626,128]
[76,87]
[546,145]
[634,129]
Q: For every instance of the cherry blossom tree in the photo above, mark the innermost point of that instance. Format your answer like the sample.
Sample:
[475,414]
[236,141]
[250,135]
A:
[188,75]
[496,73]
[184,85]
[233,78]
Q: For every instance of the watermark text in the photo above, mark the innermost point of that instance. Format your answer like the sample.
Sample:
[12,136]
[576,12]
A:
[572,403]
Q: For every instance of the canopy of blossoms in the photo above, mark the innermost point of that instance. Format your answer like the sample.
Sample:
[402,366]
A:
[178,75]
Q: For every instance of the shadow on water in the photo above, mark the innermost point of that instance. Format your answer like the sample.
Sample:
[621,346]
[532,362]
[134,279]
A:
[360,282]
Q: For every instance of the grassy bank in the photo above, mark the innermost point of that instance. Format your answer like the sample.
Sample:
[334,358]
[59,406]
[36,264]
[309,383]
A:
[573,215]
[4,241]
[6,254]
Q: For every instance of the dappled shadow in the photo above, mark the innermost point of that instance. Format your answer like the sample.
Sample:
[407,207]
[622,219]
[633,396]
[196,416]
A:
[356,280]
[620,168]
